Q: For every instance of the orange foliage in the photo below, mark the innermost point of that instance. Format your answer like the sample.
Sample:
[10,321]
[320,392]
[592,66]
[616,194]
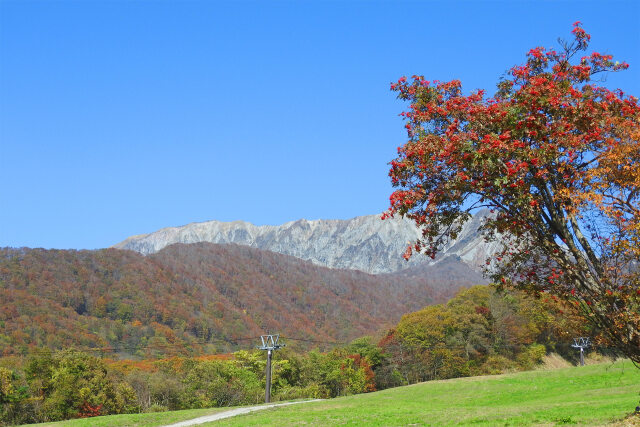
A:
[556,158]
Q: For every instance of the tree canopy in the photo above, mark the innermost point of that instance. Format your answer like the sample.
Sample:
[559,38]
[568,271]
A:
[555,156]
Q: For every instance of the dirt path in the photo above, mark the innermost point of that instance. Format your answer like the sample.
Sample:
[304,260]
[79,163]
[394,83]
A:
[233,413]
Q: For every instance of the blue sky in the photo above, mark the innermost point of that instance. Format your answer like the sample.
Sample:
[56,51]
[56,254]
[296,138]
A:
[123,117]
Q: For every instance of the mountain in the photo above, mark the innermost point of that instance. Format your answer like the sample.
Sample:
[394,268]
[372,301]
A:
[189,298]
[364,243]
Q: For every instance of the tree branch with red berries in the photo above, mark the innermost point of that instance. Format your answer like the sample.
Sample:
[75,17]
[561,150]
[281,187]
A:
[556,158]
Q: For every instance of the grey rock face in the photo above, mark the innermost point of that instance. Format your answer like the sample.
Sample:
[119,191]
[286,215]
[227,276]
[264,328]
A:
[364,243]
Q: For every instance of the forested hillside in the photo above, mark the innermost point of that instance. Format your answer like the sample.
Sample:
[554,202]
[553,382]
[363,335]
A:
[196,298]
[479,331]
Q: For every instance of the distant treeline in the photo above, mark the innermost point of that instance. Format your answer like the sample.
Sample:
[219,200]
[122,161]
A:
[480,331]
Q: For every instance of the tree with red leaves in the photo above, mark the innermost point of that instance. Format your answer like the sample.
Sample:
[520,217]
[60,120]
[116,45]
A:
[556,158]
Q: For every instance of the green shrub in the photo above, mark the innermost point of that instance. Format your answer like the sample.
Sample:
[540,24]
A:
[70,381]
[496,364]
[532,356]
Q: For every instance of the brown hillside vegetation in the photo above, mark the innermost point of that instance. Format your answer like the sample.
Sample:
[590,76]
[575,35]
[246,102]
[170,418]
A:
[196,298]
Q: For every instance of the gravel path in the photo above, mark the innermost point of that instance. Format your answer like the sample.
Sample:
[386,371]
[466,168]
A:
[233,413]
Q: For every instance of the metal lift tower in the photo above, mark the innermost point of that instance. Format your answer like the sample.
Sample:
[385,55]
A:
[270,344]
[581,343]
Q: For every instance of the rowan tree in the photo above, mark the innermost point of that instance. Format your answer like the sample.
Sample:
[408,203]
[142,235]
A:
[555,156]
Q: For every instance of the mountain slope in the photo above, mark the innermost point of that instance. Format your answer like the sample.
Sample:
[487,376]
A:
[203,296]
[364,243]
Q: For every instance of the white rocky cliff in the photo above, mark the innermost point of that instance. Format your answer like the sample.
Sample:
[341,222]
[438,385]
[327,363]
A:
[364,243]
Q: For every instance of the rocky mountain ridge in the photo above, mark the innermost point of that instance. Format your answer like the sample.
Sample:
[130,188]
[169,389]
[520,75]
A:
[364,243]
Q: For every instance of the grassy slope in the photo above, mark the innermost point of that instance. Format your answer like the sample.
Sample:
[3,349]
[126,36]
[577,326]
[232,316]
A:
[135,420]
[590,395]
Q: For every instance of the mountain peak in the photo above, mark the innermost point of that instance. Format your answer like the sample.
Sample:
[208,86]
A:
[365,243]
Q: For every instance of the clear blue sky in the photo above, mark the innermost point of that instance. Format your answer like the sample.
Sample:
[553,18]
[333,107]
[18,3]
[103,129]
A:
[123,117]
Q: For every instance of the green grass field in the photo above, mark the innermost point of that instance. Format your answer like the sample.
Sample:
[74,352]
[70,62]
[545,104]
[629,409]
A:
[151,419]
[591,395]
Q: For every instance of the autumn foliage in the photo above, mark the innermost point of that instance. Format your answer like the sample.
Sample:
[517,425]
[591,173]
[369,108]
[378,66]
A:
[556,157]
[480,331]
[194,299]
